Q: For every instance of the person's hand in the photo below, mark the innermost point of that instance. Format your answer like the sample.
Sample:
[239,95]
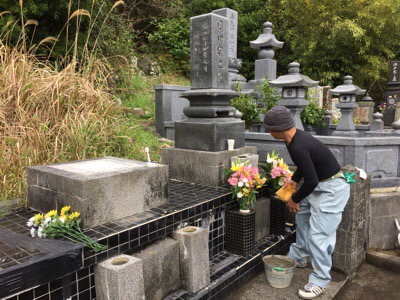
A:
[292,183]
[293,207]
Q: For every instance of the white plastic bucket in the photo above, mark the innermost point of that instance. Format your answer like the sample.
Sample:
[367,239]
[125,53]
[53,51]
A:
[279,270]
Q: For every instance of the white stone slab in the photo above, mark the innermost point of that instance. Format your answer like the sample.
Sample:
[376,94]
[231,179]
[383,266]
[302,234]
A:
[92,167]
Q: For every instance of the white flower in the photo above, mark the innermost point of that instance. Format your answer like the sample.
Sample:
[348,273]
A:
[40,234]
[274,164]
[47,221]
[245,180]
[281,183]
[240,184]
[247,185]
[31,222]
[62,220]
[239,195]
[33,232]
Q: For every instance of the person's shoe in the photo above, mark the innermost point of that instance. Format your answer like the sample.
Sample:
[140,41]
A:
[310,291]
[301,265]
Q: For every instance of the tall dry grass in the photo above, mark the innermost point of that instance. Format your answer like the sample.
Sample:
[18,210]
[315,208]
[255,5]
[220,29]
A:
[53,113]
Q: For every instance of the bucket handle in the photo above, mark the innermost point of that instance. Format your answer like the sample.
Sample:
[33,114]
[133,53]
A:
[279,269]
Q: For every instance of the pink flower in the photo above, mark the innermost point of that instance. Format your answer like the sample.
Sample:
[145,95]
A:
[233,181]
[276,172]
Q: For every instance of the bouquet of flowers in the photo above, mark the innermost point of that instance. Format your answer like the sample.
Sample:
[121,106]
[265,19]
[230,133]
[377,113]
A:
[245,180]
[276,171]
[64,225]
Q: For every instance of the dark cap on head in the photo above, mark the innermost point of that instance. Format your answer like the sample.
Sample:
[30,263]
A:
[278,118]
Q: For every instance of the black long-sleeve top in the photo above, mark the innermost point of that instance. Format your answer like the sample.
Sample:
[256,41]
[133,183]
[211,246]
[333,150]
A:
[314,162]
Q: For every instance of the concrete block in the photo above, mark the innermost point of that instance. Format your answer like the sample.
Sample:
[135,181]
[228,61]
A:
[194,260]
[200,167]
[160,268]
[263,212]
[383,209]
[120,278]
[102,190]
[251,158]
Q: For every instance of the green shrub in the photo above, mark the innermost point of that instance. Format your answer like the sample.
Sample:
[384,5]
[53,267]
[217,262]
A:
[247,106]
[270,96]
[312,114]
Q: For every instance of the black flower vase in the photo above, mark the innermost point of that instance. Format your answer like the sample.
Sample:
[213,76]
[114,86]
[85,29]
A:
[240,231]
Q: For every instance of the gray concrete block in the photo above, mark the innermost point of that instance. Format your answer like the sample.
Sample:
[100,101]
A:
[102,190]
[200,167]
[160,268]
[252,159]
[209,134]
[194,260]
[263,213]
[119,278]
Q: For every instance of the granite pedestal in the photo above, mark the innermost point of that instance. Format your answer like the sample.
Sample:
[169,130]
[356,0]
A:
[102,190]
[201,167]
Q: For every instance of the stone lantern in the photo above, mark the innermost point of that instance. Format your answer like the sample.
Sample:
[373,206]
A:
[293,92]
[347,103]
[266,65]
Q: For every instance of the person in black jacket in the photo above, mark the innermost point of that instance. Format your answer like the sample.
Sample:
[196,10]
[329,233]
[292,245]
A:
[318,203]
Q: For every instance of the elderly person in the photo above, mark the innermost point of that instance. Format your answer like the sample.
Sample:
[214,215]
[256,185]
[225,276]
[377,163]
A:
[318,203]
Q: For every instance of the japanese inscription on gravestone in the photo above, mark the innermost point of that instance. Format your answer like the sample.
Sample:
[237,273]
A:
[209,47]
[394,71]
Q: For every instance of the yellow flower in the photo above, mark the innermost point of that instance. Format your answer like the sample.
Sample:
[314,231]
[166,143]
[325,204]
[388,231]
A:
[236,167]
[38,218]
[50,214]
[74,215]
[65,209]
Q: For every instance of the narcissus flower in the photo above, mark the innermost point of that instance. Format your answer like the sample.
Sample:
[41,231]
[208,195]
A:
[65,210]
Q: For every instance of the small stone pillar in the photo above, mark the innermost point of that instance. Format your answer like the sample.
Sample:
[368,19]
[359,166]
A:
[250,157]
[376,123]
[396,128]
[294,91]
[347,97]
[193,260]
[351,235]
[266,65]
[365,109]
[120,278]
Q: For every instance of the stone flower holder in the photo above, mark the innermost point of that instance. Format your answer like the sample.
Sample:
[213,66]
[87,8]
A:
[120,278]
[194,260]
[240,231]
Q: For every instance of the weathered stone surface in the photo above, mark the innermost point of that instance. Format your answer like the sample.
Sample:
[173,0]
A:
[193,260]
[200,167]
[264,68]
[209,134]
[263,213]
[383,232]
[169,107]
[160,268]
[351,234]
[123,282]
[102,190]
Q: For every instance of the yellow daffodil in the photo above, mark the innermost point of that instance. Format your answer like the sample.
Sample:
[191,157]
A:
[38,218]
[65,210]
[50,214]
[236,166]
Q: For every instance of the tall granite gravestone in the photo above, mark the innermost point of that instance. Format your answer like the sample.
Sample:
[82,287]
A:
[234,63]
[393,90]
[201,141]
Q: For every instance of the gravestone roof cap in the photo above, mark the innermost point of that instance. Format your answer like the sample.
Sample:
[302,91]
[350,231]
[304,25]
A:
[266,38]
[347,88]
[293,78]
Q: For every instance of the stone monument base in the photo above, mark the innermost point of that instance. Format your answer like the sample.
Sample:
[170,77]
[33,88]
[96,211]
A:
[209,134]
[201,167]
[102,190]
